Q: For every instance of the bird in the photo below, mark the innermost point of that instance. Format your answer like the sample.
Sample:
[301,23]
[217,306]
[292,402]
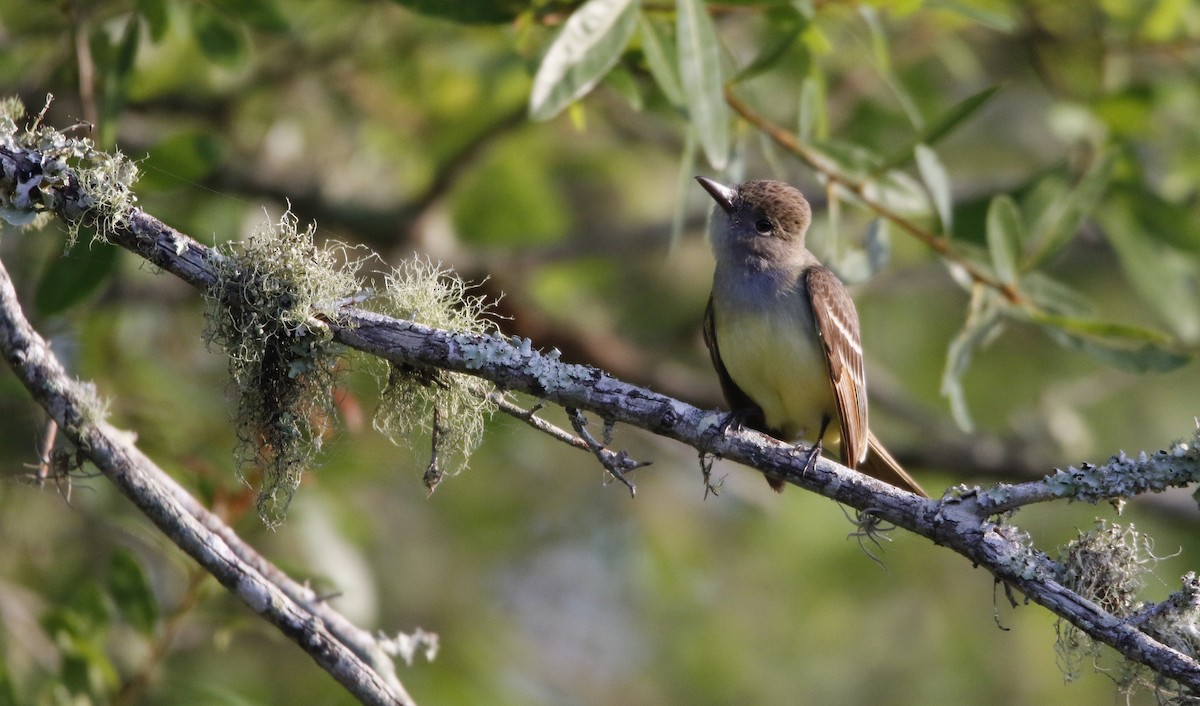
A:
[783,332]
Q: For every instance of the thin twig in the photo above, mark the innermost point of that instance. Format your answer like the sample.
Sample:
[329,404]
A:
[616,463]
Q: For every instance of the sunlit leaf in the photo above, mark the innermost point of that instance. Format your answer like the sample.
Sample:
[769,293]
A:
[73,276]
[588,46]
[933,174]
[1005,233]
[700,71]
[130,590]
[1061,221]
[661,59]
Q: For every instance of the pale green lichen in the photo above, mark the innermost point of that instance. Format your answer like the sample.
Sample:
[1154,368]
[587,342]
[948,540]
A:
[452,408]
[91,189]
[1108,565]
[263,312]
[1125,476]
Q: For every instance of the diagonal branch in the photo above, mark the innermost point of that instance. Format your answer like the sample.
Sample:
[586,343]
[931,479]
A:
[962,520]
[347,653]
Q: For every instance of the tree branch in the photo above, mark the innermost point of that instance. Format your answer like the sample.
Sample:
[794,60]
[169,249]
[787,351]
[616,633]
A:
[963,520]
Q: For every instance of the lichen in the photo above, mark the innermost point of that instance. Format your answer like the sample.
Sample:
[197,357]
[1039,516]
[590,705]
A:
[1125,476]
[92,189]
[263,312]
[1108,565]
[452,408]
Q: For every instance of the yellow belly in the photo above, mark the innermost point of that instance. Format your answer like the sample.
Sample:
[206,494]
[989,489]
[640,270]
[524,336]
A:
[782,370]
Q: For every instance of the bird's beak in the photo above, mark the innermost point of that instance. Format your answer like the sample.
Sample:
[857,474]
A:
[722,194]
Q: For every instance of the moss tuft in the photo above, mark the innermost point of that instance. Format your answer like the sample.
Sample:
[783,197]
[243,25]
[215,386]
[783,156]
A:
[452,408]
[92,190]
[262,313]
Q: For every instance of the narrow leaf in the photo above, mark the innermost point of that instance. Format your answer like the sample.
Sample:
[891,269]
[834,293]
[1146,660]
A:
[943,125]
[1005,231]
[700,71]
[73,276]
[982,323]
[1059,223]
[661,59]
[933,174]
[1120,353]
[219,39]
[130,590]
[156,15]
[784,25]
[811,109]
[1162,275]
[261,15]
[588,46]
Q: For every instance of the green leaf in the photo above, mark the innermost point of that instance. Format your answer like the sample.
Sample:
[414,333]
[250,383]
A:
[943,125]
[812,109]
[933,174]
[1162,275]
[1060,222]
[127,52]
[130,590]
[1133,348]
[1054,296]
[898,192]
[75,275]
[154,12]
[588,46]
[1171,223]
[185,157]
[700,70]
[621,81]
[261,15]
[474,12]
[219,39]
[1108,344]
[784,25]
[1005,233]
[984,320]
[661,59]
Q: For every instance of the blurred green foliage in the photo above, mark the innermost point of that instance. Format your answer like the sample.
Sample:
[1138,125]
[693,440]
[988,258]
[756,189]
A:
[1031,167]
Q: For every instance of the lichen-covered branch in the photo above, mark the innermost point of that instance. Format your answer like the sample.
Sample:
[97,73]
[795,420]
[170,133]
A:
[964,520]
[348,654]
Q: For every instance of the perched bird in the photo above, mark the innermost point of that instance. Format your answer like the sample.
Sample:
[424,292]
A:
[783,332]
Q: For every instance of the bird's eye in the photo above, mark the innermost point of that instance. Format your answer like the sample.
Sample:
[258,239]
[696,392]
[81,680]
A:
[763,226]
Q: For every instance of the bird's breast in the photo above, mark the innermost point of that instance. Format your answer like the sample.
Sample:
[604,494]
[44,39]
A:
[771,350]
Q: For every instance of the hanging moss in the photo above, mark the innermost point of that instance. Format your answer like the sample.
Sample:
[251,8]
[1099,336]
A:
[261,313]
[451,408]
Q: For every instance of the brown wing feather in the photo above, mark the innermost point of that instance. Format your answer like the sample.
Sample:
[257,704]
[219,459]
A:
[837,323]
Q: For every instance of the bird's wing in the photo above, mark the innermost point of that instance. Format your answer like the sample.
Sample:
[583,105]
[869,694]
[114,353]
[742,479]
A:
[837,323]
